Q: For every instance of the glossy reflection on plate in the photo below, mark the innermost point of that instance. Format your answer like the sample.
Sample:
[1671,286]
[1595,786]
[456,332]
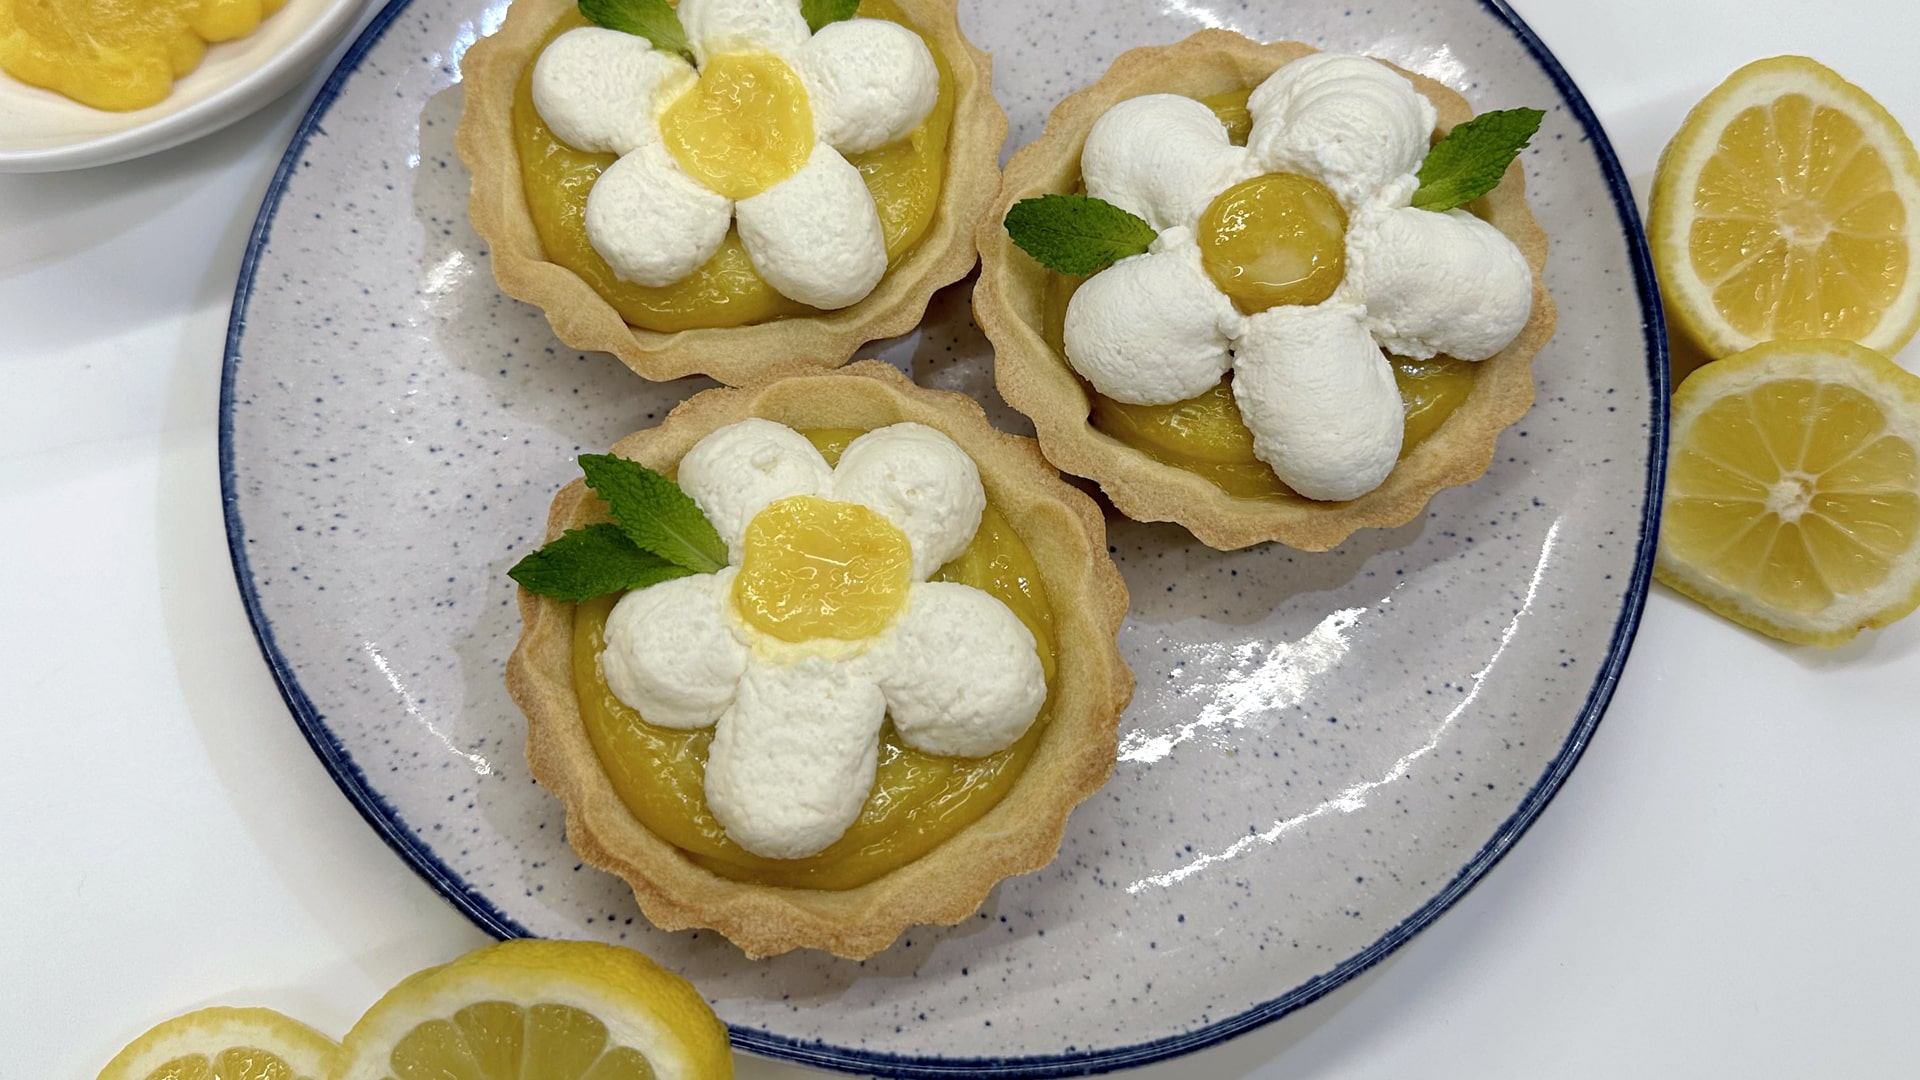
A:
[1324,750]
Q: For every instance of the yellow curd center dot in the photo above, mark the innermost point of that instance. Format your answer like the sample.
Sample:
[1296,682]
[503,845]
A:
[745,126]
[1275,239]
[814,568]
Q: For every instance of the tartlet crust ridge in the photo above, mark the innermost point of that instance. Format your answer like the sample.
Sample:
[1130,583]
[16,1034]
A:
[733,355]
[1067,536]
[1035,379]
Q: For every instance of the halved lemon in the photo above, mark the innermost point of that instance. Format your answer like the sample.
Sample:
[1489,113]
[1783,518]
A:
[226,1044]
[540,1010]
[1793,490]
[1788,207]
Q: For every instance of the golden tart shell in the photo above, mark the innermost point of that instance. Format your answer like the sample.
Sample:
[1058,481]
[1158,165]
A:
[1067,536]
[1033,377]
[735,355]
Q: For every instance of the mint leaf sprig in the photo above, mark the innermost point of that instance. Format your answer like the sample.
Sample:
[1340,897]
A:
[595,561]
[819,13]
[1473,157]
[654,20]
[657,534]
[1081,235]
[1076,234]
[655,514]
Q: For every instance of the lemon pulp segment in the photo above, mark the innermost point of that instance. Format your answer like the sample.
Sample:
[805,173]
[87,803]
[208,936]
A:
[905,179]
[918,800]
[233,1063]
[1798,227]
[539,1010]
[491,1039]
[1793,493]
[224,1043]
[1784,208]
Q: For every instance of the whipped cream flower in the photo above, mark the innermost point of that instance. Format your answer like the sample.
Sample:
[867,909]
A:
[755,134]
[798,714]
[1311,380]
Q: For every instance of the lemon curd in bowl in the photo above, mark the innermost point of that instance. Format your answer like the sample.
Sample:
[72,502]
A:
[1204,435]
[918,799]
[904,177]
[118,57]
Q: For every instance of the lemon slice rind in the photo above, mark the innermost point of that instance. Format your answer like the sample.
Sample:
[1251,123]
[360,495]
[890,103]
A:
[643,1006]
[1841,363]
[1671,212]
[208,1032]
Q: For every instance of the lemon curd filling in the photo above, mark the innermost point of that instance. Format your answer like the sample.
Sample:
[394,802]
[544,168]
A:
[814,568]
[905,179]
[1272,240]
[118,54]
[745,126]
[1231,107]
[919,800]
[1275,239]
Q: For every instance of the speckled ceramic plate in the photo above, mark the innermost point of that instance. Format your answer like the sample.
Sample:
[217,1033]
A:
[1325,750]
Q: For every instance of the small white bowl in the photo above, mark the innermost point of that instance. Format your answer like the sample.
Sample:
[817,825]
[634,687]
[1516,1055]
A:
[41,131]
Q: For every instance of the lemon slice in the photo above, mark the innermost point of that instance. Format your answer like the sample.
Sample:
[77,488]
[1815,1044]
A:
[226,1044]
[540,1010]
[1788,206]
[1793,491]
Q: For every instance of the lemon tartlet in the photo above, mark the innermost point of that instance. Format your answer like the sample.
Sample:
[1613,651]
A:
[739,129]
[950,811]
[1194,461]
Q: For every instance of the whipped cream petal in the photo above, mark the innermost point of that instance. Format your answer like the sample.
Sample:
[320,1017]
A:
[920,480]
[652,222]
[603,90]
[1320,399]
[816,236]
[792,761]
[871,82]
[670,654]
[738,470]
[723,26]
[1163,157]
[959,671]
[1438,283]
[1152,329]
[1347,121]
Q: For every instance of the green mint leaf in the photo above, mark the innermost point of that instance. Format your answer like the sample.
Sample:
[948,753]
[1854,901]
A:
[819,13]
[595,561]
[651,19]
[655,514]
[1471,159]
[1076,234]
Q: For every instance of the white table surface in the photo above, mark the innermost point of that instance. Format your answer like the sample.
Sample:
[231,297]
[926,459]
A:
[1725,886]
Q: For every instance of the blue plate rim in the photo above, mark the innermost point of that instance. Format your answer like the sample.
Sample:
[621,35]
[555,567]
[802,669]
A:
[386,821]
